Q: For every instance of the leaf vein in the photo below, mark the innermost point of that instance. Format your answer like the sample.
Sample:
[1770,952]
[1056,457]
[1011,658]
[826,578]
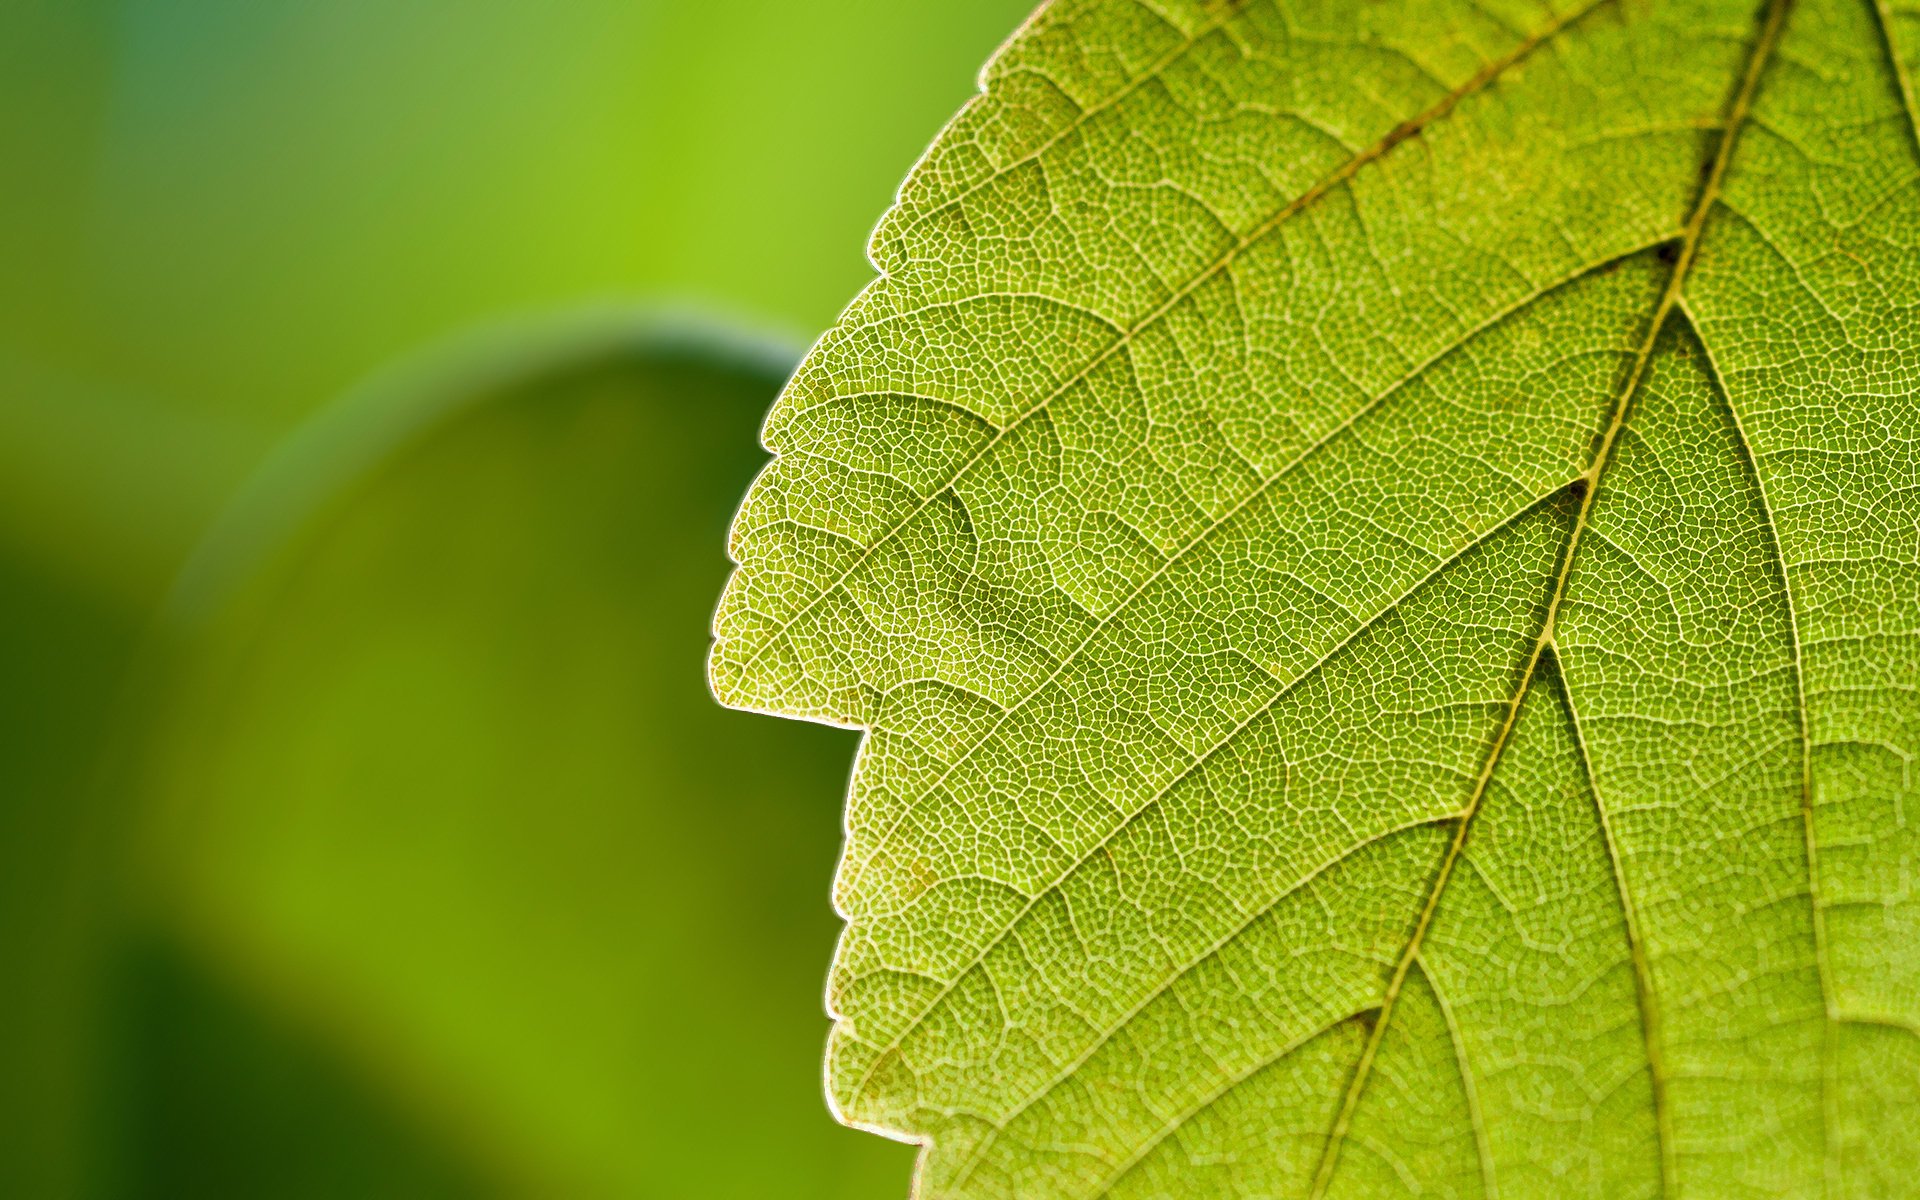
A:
[1124,605]
[1637,951]
[1772,22]
[1810,833]
[1438,111]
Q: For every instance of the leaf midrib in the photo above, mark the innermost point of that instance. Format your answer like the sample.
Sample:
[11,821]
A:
[1773,21]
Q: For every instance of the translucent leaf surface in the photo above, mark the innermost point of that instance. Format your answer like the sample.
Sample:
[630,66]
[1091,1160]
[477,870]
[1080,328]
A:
[1376,548]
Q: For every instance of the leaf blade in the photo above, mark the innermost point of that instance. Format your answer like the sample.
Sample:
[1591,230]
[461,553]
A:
[1102,590]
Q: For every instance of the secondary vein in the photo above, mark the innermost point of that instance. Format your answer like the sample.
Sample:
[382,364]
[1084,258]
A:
[1439,110]
[1773,22]
[1482,1150]
[1266,484]
[1185,772]
[1809,834]
[1637,951]
[1883,16]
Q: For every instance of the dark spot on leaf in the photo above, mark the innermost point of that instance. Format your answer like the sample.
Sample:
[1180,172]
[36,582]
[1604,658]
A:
[1578,489]
[1669,252]
[1367,1018]
[1399,133]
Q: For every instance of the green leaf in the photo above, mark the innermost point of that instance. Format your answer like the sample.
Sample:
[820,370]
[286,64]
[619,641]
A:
[435,787]
[215,1094]
[1377,549]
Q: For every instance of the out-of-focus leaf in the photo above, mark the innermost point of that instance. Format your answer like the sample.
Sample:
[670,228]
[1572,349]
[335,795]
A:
[440,782]
[213,1095]
[283,194]
[63,655]
[104,489]
[1379,548]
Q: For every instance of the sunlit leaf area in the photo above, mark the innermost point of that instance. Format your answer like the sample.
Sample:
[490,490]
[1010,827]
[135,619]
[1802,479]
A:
[1344,577]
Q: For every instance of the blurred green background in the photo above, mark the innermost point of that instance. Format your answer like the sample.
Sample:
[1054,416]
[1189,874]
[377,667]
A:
[377,378]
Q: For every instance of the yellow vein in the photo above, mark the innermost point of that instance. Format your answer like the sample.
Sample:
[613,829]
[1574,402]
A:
[1636,948]
[1200,760]
[1343,1120]
[1487,1186]
[1126,602]
[1167,1129]
[1883,16]
[1878,1021]
[1767,39]
[1154,70]
[1185,772]
[1829,1089]
[1399,133]
[1155,993]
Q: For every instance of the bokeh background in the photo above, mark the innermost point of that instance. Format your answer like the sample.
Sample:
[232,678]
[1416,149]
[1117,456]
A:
[377,378]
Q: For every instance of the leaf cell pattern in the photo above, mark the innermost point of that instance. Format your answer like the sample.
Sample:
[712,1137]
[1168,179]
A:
[1378,550]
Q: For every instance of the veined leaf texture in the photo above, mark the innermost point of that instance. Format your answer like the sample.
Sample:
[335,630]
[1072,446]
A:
[1378,549]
